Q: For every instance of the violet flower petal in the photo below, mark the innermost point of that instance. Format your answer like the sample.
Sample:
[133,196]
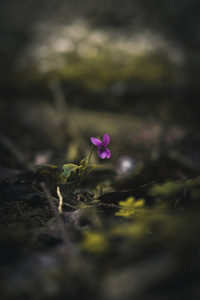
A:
[97,142]
[106,140]
[101,153]
[108,153]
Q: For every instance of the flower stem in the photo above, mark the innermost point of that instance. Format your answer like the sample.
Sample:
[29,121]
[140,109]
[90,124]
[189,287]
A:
[90,154]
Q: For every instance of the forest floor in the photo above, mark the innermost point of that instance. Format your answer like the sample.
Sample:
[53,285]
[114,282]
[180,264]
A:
[129,231]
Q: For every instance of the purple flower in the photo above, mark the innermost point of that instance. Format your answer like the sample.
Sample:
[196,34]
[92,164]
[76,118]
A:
[102,150]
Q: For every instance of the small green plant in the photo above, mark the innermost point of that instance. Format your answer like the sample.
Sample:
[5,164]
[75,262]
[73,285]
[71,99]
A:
[71,174]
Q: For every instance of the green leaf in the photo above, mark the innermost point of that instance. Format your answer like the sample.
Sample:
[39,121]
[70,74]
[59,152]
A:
[167,189]
[48,170]
[130,207]
[29,196]
[83,165]
[193,186]
[95,242]
[68,170]
[84,162]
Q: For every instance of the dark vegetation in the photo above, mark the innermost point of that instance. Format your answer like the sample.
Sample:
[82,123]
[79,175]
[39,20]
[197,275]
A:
[72,70]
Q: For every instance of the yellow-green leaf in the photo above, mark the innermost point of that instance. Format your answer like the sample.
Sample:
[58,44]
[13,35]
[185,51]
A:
[95,242]
[130,207]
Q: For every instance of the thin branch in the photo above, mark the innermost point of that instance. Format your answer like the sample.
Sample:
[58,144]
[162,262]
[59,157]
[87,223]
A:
[60,197]
[63,230]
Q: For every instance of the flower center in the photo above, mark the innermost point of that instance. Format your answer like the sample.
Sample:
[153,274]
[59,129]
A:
[102,148]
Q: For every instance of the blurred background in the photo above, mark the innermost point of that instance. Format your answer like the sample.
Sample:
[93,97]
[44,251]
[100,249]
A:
[70,70]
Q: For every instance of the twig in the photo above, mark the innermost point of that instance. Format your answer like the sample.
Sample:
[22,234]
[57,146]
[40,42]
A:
[61,224]
[60,197]
[53,198]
